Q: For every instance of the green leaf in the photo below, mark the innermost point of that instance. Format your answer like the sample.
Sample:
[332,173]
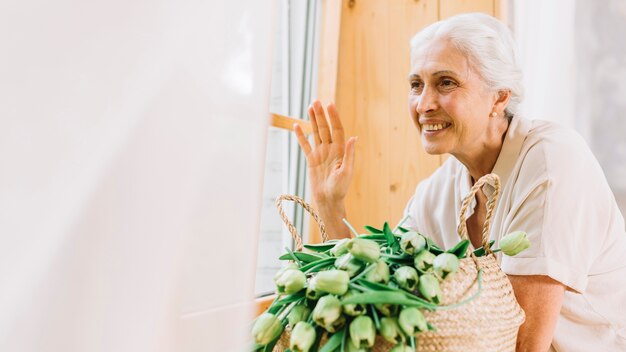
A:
[376,286]
[318,265]
[374,237]
[383,297]
[381,287]
[321,247]
[481,251]
[303,256]
[290,298]
[390,238]
[405,230]
[398,258]
[333,342]
[460,249]
[373,229]
[433,247]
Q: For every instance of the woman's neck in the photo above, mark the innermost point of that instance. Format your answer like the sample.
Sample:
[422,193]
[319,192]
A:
[481,159]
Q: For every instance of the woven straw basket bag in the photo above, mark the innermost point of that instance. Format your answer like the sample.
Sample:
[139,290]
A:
[478,311]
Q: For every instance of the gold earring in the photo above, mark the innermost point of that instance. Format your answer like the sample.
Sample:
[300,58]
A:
[494,114]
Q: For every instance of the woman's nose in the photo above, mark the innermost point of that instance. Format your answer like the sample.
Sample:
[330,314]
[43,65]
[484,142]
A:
[427,101]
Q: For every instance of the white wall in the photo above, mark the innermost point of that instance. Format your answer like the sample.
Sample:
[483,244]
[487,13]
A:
[131,149]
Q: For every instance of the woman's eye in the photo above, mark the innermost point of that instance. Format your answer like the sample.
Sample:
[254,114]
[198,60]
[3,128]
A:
[447,83]
[416,85]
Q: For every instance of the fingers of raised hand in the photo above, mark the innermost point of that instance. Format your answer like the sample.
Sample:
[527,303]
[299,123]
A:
[302,141]
[322,123]
[316,133]
[335,123]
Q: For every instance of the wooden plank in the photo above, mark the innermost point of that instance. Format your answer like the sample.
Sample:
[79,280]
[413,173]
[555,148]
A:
[501,10]
[329,50]
[262,303]
[286,122]
[408,162]
[449,8]
[363,101]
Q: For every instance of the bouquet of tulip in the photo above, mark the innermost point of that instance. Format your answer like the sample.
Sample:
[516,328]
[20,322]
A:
[340,295]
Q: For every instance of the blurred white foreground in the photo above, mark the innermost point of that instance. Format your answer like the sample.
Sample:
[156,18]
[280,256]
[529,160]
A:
[132,137]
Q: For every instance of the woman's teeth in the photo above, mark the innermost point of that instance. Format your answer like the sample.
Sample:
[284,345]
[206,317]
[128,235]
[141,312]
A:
[436,127]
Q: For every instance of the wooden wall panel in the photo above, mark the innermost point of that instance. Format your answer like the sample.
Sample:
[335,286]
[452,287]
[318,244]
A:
[372,100]
[449,8]
[407,163]
[368,115]
[329,50]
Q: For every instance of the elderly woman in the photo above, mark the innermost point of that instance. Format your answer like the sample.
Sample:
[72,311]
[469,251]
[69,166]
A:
[464,92]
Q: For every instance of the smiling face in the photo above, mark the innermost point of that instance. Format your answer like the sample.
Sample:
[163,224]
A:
[449,102]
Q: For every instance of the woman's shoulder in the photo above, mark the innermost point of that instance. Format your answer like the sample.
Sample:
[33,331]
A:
[551,137]
[556,153]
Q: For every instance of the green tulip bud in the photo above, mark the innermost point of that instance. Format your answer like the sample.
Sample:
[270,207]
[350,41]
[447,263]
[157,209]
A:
[333,281]
[350,347]
[387,309]
[302,337]
[401,348]
[390,330]
[312,292]
[429,288]
[412,242]
[290,266]
[266,328]
[291,281]
[297,314]
[411,320]
[424,260]
[514,243]
[327,313]
[445,264]
[365,250]
[340,248]
[362,331]
[353,309]
[379,274]
[406,277]
[349,264]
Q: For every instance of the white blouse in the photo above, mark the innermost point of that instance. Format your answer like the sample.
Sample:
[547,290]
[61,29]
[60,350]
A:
[554,189]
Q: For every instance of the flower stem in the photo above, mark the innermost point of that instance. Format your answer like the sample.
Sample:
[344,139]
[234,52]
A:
[375,315]
[356,234]
[365,271]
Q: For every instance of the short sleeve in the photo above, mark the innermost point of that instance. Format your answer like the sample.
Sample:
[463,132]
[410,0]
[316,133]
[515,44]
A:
[558,205]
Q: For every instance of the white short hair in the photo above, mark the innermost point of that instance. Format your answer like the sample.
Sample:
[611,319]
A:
[489,46]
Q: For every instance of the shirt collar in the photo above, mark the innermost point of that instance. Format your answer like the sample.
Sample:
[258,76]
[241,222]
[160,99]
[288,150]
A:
[511,148]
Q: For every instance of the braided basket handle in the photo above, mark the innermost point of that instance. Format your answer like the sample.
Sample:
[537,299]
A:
[491,205]
[292,229]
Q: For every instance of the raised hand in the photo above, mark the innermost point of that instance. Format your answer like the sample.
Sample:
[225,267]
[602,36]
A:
[330,163]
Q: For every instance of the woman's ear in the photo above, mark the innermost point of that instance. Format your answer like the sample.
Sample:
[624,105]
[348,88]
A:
[502,99]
